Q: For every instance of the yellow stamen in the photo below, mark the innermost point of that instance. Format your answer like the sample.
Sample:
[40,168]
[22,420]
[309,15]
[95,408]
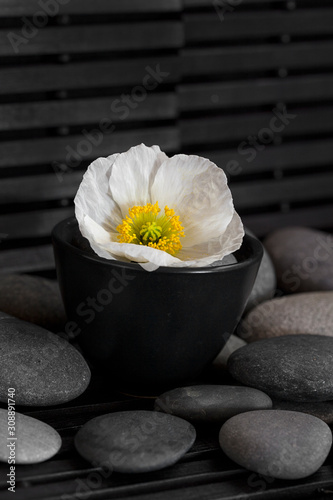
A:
[144,226]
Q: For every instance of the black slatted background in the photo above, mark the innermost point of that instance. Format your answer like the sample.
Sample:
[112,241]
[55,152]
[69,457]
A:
[56,91]
[226,64]
[229,63]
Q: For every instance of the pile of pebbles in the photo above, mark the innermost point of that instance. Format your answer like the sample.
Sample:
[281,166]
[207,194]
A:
[273,420]
[257,430]
[38,368]
[282,444]
[289,356]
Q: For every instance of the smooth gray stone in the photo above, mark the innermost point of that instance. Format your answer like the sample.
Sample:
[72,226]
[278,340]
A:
[134,441]
[211,403]
[303,259]
[226,261]
[291,367]
[276,443]
[265,284]
[322,410]
[33,299]
[43,368]
[310,312]
[221,360]
[35,441]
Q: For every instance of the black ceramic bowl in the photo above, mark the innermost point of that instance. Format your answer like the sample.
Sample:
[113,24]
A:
[150,330]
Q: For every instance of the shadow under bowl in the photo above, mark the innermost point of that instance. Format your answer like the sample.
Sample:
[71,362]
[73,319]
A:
[150,331]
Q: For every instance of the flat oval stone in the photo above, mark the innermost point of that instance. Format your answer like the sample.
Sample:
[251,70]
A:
[303,259]
[293,367]
[135,441]
[299,313]
[276,443]
[233,343]
[265,284]
[33,299]
[211,403]
[322,409]
[43,368]
[35,441]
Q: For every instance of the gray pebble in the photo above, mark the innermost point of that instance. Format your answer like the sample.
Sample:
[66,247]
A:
[43,368]
[276,443]
[293,367]
[322,409]
[35,441]
[33,299]
[221,360]
[303,259]
[134,441]
[211,403]
[226,261]
[265,284]
[299,313]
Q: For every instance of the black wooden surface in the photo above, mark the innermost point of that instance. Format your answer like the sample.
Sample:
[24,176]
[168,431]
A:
[203,473]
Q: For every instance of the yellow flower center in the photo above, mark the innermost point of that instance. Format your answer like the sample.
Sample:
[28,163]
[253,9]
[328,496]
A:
[150,232]
[144,226]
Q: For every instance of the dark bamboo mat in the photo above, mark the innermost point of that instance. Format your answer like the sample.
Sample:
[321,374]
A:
[204,473]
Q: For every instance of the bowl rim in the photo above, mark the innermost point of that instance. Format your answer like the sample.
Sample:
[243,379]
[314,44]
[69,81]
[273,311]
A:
[256,247]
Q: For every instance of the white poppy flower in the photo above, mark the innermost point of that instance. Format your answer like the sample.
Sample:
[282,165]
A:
[144,207]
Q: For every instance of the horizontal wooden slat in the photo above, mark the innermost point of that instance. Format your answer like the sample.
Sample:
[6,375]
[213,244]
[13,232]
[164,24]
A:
[92,74]
[296,155]
[193,62]
[22,260]
[252,58]
[64,182]
[25,189]
[317,217]
[33,224]
[11,8]
[255,92]
[95,38]
[239,127]
[246,195]
[62,149]
[40,223]
[191,4]
[192,483]
[261,193]
[155,488]
[222,3]
[84,111]
[60,418]
[242,25]
[52,470]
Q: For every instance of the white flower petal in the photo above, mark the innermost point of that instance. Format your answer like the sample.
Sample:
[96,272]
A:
[194,187]
[233,235]
[132,175]
[97,236]
[198,192]
[222,245]
[105,245]
[208,252]
[143,254]
[93,197]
